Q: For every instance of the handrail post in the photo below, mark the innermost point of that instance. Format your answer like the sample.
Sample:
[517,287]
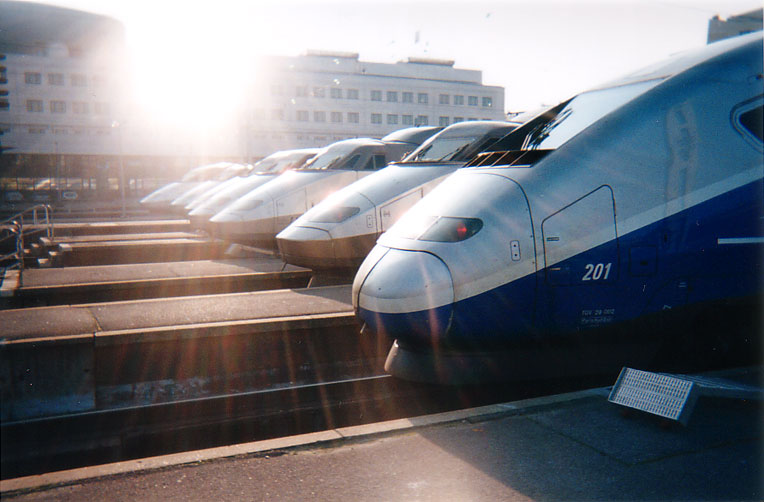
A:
[17,223]
[20,250]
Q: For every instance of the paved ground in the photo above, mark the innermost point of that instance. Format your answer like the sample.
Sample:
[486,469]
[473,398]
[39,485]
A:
[87,319]
[41,277]
[570,447]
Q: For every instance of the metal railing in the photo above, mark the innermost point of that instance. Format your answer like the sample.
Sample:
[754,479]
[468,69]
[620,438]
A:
[13,230]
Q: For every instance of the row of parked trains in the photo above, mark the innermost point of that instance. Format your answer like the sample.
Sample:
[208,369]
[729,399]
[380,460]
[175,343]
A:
[624,225]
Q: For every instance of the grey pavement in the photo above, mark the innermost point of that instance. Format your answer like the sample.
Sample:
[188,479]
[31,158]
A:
[41,277]
[89,319]
[570,447]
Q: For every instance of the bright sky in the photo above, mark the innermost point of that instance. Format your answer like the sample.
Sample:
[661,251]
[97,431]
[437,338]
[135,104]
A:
[540,51]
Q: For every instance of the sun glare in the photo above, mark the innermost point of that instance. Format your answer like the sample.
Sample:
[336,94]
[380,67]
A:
[190,68]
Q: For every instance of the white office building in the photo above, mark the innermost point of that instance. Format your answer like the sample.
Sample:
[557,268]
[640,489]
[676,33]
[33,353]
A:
[321,97]
[65,111]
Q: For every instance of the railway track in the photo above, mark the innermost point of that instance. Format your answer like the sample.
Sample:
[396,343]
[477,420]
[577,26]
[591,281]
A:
[81,439]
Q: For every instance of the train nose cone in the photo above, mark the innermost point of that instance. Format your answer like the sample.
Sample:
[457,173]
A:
[306,247]
[405,295]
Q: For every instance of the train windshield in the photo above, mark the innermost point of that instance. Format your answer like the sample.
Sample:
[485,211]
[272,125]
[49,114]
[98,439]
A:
[336,157]
[442,149]
[579,113]
[279,162]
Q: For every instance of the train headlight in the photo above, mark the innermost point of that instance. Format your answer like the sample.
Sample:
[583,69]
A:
[335,214]
[440,229]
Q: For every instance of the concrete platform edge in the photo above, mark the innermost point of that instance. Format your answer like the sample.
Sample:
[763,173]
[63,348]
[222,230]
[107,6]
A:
[10,283]
[311,440]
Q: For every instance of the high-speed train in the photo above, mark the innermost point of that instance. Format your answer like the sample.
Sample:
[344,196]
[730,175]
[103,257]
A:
[161,198]
[258,216]
[624,226]
[340,231]
[215,200]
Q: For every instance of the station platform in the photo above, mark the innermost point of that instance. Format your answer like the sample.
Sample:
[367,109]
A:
[90,357]
[100,227]
[101,283]
[571,447]
[68,321]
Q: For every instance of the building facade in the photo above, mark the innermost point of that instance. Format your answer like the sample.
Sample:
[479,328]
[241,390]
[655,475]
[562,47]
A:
[66,121]
[321,97]
[61,86]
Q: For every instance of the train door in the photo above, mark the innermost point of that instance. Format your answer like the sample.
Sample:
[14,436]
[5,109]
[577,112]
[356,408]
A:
[581,262]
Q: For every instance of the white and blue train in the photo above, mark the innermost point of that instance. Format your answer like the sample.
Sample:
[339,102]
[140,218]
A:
[215,200]
[339,232]
[162,198]
[258,216]
[624,223]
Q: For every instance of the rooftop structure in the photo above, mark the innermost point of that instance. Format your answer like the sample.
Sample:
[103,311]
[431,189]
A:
[733,26]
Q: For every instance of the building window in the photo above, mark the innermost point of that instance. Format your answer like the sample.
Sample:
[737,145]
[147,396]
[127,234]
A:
[442,121]
[319,116]
[4,104]
[392,119]
[301,91]
[407,97]
[80,108]
[79,80]
[444,99]
[353,117]
[336,117]
[55,79]
[458,119]
[376,95]
[335,93]
[352,93]
[36,130]
[422,98]
[421,120]
[392,96]
[34,105]
[102,108]
[407,120]
[32,78]
[458,100]
[278,114]
[376,118]
[472,100]
[319,92]
[303,116]
[488,102]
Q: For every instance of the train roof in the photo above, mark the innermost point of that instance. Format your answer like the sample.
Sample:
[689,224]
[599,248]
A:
[528,144]
[413,135]
[683,61]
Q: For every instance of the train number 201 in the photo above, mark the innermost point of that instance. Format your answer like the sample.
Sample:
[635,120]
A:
[598,272]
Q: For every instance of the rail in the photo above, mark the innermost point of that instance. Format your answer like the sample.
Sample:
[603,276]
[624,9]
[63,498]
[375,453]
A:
[12,235]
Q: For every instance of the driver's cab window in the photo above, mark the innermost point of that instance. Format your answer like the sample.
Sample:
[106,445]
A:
[375,162]
[352,161]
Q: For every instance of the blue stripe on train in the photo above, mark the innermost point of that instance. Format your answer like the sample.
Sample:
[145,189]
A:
[671,263]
